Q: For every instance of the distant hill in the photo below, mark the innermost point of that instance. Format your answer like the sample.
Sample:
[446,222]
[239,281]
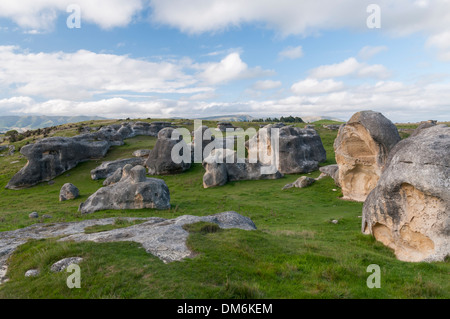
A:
[248,118]
[23,123]
[229,118]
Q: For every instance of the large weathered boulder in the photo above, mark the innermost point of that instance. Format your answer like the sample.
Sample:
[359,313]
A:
[409,209]
[106,169]
[53,156]
[133,191]
[68,191]
[299,150]
[222,166]
[361,150]
[160,160]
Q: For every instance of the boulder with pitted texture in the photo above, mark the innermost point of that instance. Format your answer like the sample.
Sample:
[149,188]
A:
[298,151]
[133,191]
[361,148]
[409,209]
[161,160]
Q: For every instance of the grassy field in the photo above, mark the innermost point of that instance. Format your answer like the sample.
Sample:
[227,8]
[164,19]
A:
[295,253]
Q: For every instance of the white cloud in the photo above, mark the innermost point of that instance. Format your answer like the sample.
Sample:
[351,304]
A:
[84,74]
[266,85]
[368,51]
[398,101]
[350,67]
[441,41]
[293,17]
[42,14]
[291,53]
[313,86]
[228,69]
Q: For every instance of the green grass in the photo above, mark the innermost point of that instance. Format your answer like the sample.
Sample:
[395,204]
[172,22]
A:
[296,252]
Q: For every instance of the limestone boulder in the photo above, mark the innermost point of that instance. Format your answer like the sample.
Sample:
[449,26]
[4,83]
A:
[133,191]
[68,191]
[106,169]
[299,150]
[160,161]
[301,182]
[409,209]
[361,148]
[53,156]
[332,171]
[223,166]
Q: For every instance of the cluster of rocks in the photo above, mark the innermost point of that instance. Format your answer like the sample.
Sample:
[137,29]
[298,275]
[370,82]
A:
[332,127]
[222,166]
[403,183]
[53,156]
[164,238]
[59,266]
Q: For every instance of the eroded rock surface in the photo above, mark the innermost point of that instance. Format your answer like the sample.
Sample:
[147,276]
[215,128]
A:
[160,161]
[53,156]
[332,171]
[106,169]
[133,191]
[222,166]
[300,150]
[68,191]
[164,238]
[409,210]
[361,148]
[301,182]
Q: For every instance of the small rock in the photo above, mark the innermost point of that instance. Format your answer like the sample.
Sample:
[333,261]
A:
[33,215]
[14,162]
[51,183]
[334,190]
[32,273]
[64,263]
[68,191]
[141,153]
[334,221]
[46,216]
[301,182]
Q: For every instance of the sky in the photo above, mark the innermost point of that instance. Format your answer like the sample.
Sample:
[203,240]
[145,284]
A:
[200,58]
